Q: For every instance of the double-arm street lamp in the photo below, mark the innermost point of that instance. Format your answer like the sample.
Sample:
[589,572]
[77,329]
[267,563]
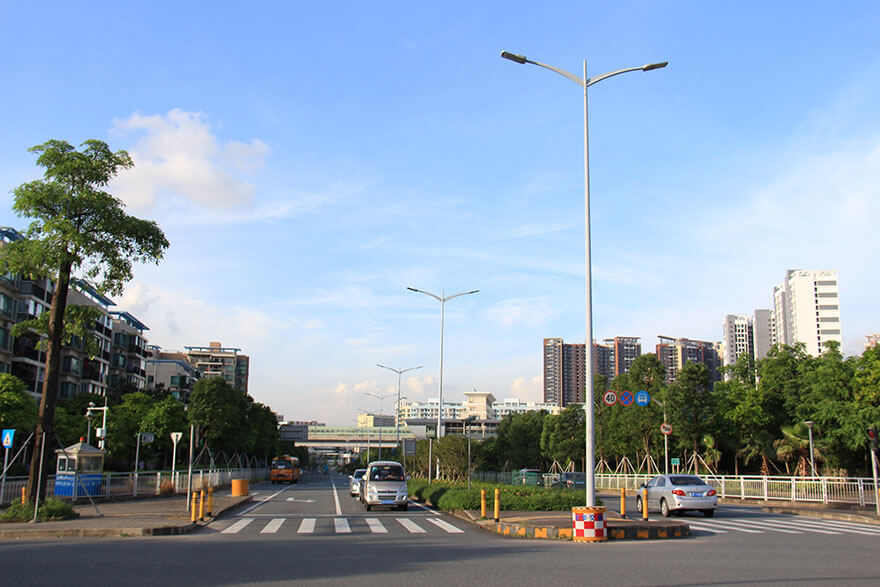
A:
[585,82]
[442,299]
[397,418]
[380,397]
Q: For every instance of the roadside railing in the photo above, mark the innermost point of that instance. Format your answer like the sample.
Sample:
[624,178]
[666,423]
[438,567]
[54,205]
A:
[859,491]
[133,484]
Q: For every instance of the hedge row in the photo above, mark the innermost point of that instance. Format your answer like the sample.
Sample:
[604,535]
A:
[451,496]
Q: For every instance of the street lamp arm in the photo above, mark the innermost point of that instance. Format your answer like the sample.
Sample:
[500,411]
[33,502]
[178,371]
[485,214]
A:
[464,293]
[427,293]
[577,79]
[648,67]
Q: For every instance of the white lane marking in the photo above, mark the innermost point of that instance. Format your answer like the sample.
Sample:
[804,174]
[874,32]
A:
[307,526]
[342,526]
[851,528]
[842,524]
[768,525]
[259,503]
[701,523]
[236,527]
[272,526]
[798,526]
[336,499]
[411,526]
[376,526]
[300,500]
[698,526]
[445,526]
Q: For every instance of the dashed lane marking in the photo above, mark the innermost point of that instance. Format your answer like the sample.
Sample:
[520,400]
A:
[273,526]
[444,525]
[376,526]
[236,527]
[411,526]
[342,526]
[307,526]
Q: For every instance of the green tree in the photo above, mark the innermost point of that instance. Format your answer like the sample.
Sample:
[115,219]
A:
[221,411]
[164,417]
[125,422]
[564,438]
[77,227]
[262,420]
[18,410]
[690,404]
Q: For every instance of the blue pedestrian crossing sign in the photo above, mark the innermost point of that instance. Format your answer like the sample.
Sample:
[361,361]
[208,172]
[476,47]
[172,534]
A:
[643,398]
[8,434]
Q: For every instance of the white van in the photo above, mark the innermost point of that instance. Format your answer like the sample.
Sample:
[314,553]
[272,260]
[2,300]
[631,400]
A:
[384,484]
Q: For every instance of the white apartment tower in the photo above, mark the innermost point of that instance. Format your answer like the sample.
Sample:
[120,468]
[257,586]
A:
[807,308]
[738,338]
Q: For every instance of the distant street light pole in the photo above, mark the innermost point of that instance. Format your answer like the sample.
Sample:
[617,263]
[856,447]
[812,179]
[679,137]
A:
[397,418]
[380,396]
[809,425]
[585,82]
[442,299]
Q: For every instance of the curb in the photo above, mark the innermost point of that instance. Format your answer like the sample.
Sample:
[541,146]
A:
[615,531]
[137,531]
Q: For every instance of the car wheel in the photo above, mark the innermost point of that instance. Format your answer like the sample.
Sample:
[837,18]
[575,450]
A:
[664,508]
[403,507]
[708,513]
[639,504]
[368,507]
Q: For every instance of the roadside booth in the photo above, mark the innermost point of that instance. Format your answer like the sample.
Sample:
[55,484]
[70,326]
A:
[80,470]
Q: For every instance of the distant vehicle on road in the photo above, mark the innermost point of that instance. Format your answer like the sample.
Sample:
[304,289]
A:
[285,469]
[679,493]
[527,477]
[354,482]
[570,481]
[384,484]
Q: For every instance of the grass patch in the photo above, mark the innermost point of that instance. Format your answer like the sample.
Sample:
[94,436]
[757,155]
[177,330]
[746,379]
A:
[51,509]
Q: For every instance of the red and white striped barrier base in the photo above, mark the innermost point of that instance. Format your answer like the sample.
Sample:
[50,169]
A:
[588,524]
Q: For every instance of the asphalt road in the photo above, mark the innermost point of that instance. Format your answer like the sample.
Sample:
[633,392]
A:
[311,532]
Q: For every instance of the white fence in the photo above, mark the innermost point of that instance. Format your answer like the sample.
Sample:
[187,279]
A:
[144,482]
[827,490]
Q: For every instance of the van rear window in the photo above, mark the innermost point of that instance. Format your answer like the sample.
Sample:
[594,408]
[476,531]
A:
[387,473]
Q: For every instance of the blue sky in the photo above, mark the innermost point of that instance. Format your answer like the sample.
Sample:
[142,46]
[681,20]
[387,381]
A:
[308,161]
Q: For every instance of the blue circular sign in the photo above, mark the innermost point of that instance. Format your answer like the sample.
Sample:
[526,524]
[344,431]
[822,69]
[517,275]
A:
[643,398]
[626,398]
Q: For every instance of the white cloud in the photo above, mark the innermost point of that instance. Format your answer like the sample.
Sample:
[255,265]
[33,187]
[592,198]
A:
[178,157]
[529,389]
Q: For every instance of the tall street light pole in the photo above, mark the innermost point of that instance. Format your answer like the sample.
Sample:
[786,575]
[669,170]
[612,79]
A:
[397,419]
[442,299]
[809,425]
[380,397]
[585,82]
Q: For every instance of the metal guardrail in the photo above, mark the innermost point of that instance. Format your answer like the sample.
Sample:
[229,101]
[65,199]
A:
[826,490]
[132,484]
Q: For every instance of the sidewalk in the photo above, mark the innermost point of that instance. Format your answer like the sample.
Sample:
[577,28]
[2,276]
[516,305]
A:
[154,516]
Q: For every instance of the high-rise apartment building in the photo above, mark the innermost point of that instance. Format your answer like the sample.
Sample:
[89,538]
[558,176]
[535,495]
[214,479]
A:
[215,360]
[565,372]
[673,353]
[807,309]
[625,349]
[738,338]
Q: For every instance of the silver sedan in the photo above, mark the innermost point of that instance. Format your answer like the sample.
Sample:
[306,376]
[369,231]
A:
[678,493]
[354,482]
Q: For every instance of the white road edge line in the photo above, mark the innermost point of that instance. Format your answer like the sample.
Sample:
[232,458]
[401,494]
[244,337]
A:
[336,498]
[261,502]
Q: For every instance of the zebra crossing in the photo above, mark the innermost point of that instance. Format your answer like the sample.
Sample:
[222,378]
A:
[782,525]
[341,525]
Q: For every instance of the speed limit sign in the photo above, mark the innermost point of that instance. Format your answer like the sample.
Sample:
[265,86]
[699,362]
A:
[610,398]
[666,428]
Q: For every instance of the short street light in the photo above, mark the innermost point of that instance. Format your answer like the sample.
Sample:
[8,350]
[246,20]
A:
[585,82]
[442,299]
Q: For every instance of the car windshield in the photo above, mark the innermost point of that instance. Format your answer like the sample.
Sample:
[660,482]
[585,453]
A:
[686,480]
[386,473]
[280,464]
[359,473]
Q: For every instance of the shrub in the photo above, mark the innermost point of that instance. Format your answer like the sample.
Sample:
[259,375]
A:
[52,509]
[166,488]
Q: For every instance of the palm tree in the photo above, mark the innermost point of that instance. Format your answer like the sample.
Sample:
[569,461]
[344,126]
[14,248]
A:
[712,454]
[759,444]
[795,446]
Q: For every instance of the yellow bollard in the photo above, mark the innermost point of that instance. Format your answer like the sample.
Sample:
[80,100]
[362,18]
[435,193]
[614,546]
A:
[645,503]
[194,513]
[23,496]
[497,504]
[623,502]
[210,501]
[483,504]
[202,504]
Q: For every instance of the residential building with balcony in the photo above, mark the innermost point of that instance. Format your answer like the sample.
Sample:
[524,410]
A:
[807,309]
[673,353]
[170,371]
[215,360]
[128,364]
